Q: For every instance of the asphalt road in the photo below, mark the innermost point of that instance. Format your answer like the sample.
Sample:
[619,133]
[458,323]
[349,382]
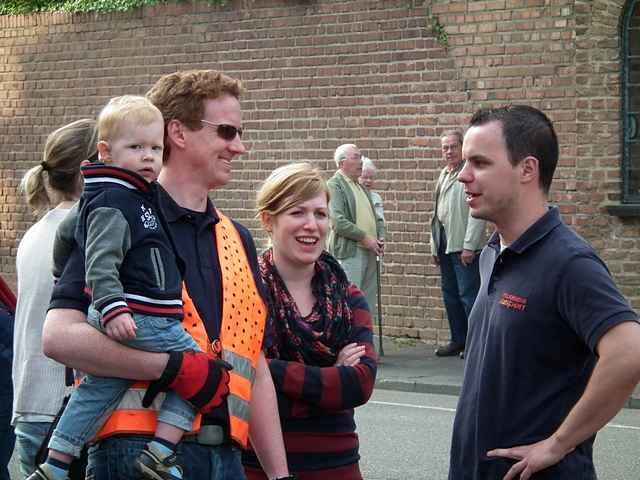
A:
[406,436]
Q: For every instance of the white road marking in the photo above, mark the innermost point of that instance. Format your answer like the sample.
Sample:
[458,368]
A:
[452,410]
[409,405]
[627,427]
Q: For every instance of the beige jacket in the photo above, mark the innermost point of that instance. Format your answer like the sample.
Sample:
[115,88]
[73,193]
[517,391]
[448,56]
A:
[463,232]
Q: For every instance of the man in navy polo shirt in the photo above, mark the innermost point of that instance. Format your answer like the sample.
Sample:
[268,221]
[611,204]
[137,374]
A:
[203,128]
[553,350]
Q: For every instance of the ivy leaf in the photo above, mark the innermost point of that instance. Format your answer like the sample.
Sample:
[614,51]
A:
[25,7]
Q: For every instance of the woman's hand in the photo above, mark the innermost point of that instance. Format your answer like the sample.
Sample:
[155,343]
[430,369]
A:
[350,355]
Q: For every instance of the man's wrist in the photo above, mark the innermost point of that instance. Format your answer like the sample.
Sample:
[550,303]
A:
[560,444]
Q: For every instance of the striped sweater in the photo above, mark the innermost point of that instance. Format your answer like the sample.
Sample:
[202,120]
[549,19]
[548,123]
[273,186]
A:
[317,407]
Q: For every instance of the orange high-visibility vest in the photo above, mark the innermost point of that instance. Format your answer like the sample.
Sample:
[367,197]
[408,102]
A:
[243,321]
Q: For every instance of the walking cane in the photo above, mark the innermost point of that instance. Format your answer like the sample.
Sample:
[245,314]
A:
[379,306]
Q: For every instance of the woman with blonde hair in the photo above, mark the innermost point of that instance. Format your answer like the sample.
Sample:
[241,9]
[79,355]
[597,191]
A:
[39,381]
[319,347]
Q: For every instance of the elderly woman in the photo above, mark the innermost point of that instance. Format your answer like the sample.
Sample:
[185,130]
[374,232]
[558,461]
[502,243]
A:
[367,179]
[320,348]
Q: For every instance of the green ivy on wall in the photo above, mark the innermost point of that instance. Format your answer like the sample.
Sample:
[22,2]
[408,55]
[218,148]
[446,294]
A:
[439,31]
[24,7]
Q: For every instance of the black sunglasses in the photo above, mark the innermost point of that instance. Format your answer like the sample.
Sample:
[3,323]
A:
[224,131]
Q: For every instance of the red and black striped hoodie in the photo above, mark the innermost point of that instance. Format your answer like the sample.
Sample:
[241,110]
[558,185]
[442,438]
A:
[131,263]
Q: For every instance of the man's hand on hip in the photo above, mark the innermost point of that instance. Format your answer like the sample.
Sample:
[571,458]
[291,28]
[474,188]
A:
[532,458]
[467,256]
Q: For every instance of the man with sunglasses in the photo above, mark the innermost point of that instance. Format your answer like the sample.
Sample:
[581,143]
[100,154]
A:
[224,311]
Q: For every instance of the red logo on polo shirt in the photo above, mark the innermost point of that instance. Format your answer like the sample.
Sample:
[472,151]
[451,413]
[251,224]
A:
[513,302]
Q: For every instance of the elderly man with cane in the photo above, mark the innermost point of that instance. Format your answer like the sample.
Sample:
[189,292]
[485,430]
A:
[354,239]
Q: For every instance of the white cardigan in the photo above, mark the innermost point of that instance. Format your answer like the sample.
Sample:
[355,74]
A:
[38,381]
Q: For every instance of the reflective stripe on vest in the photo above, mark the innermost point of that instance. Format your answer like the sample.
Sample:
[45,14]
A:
[243,322]
[130,416]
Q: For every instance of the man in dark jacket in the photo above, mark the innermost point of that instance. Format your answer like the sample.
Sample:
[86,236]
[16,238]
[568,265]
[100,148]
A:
[7,438]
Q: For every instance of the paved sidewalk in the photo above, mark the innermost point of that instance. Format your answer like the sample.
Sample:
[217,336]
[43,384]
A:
[411,366]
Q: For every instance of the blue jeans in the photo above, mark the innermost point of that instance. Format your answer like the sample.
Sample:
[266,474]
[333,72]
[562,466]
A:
[7,438]
[96,397]
[114,458]
[29,437]
[460,285]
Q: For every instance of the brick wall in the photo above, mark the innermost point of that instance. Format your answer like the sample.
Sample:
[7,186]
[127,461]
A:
[321,73]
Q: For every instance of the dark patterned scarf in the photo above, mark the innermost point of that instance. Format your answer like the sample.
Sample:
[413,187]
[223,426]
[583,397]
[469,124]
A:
[295,339]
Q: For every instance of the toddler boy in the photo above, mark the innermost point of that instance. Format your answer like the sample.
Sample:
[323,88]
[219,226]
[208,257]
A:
[135,281]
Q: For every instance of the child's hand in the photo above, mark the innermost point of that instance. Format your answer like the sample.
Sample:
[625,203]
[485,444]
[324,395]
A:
[121,328]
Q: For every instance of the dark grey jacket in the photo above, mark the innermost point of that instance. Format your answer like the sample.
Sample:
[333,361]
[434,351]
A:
[130,260]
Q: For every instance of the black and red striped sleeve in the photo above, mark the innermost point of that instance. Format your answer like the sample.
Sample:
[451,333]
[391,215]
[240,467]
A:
[332,388]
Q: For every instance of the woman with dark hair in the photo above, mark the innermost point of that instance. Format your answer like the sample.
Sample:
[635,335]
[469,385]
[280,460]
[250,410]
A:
[51,188]
[321,354]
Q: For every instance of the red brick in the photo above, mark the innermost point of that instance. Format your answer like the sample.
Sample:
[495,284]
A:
[337,71]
